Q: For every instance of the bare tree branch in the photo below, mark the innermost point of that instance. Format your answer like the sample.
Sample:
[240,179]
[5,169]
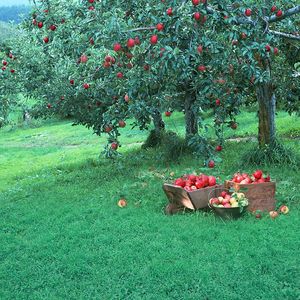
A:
[141,29]
[285,35]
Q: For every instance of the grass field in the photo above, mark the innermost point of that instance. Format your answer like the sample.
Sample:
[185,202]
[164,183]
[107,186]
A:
[64,237]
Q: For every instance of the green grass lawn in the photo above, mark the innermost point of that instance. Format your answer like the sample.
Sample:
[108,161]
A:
[64,237]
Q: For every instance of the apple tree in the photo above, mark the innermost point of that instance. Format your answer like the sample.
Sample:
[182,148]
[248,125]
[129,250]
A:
[104,63]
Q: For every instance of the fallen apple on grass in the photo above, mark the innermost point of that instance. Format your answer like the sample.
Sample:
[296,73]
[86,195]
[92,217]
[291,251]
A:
[284,209]
[122,203]
[273,214]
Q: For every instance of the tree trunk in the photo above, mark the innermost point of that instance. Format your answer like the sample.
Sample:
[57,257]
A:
[267,108]
[191,115]
[158,122]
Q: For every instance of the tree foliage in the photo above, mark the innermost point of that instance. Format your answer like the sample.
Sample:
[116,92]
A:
[103,62]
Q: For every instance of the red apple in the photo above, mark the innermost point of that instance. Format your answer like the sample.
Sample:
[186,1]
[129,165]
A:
[49,105]
[83,58]
[284,209]
[192,177]
[120,75]
[117,47]
[197,16]
[219,148]
[205,179]
[160,27]
[46,39]
[279,13]
[211,164]
[200,48]
[214,201]
[168,114]
[86,86]
[218,102]
[180,182]
[40,24]
[114,146]
[52,27]
[201,68]
[234,42]
[72,81]
[243,35]
[154,39]
[137,40]
[258,174]
[276,51]
[130,43]
[273,8]
[122,124]
[248,12]
[258,216]
[233,125]
[239,179]
[195,2]
[268,48]
[223,194]
[199,184]
[170,11]
[108,129]
[212,181]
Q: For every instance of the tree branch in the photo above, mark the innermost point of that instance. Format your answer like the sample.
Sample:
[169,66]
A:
[290,12]
[285,35]
[141,29]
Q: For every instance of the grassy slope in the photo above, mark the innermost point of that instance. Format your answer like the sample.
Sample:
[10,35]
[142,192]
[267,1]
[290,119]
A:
[63,236]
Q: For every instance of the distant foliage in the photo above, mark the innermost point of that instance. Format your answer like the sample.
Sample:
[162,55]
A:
[7,31]
[13,13]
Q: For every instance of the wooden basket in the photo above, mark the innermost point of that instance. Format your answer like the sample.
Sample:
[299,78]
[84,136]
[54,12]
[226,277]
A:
[261,196]
[180,199]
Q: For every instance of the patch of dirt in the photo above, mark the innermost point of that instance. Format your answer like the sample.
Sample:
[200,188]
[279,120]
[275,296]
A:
[242,139]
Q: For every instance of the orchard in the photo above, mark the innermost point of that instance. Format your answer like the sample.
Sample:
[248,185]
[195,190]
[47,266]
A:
[197,105]
[103,64]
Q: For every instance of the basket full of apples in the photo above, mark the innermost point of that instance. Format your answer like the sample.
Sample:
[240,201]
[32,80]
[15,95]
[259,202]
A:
[190,191]
[228,205]
[258,188]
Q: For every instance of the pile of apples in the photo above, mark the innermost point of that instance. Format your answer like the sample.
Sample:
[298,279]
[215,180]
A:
[225,200]
[191,182]
[245,178]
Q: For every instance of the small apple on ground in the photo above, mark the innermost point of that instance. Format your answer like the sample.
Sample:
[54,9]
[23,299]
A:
[122,203]
[273,214]
[284,209]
